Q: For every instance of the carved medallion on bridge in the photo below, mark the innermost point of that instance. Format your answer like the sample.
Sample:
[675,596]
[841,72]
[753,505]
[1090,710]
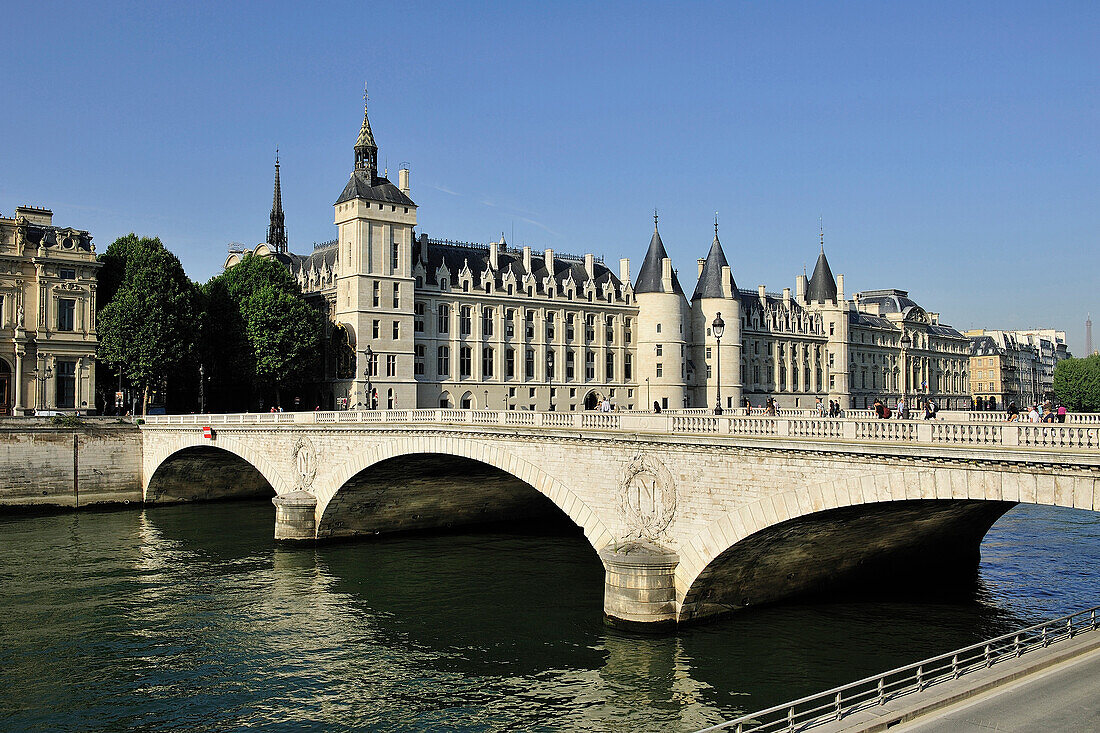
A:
[647,498]
[305,461]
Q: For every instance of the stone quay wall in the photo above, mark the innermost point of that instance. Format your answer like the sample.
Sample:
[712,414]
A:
[47,465]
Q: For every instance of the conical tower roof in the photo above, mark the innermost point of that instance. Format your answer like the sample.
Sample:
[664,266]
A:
[650,276]
[710,280]
[822,285]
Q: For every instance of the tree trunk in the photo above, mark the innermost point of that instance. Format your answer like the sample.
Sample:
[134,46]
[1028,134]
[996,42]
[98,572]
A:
[144,400]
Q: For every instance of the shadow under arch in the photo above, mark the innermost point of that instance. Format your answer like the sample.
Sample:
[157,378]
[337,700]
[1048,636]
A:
[432,482]
[982,495]
[206,473]
[911,546]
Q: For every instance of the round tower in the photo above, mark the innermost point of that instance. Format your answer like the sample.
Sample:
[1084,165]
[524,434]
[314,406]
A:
[716,294]
[664,330]
[823,297]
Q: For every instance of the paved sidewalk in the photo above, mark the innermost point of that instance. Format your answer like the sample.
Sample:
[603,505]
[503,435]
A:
[1055,689]
[1064,698]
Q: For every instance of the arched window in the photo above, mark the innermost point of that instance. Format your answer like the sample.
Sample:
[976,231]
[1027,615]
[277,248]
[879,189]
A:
[343,345]
[445,400]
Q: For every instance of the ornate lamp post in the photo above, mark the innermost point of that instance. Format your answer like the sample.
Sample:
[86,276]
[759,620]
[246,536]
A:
[370,374]
[40,385]
[719,328]
[550,376]
[486,403]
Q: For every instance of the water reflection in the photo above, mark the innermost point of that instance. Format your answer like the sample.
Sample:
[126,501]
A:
[190,618]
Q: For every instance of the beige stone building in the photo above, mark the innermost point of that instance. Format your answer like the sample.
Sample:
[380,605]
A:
[416,321]
[47,314]
[1014,366]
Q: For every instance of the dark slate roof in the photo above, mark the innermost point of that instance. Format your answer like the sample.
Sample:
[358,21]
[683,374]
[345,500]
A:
[649,277]
[890,300]
[321,257]
[984,346]
[941,329]
[456,256]
[362,185]
[859,318]
[51,236]
[710,279]
[822,285]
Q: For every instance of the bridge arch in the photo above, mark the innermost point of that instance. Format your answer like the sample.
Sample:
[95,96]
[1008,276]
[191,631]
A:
[701,556]
[483,452]
[177,460]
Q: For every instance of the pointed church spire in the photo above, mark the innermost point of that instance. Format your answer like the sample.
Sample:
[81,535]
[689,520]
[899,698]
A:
[276,229]
[366,151]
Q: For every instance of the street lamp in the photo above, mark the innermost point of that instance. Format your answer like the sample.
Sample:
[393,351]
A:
[719,328]
[550,376]
[648,403]
[40,385]
[369,374]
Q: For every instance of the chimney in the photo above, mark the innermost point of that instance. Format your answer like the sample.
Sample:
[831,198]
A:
[666,275]
[763,295]
[624,270]
[787,297]
[548,256]
[727,278]
[800,288]
[839,288]
[494,255]
[700,261]
[403,180]
[590,265]
[527,258]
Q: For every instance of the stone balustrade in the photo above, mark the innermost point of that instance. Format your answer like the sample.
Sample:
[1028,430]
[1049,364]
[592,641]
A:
[1083,434]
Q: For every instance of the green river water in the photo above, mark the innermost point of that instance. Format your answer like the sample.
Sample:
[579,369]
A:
[190,618]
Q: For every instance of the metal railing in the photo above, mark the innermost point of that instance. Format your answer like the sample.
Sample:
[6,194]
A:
[840,702]
[798,426]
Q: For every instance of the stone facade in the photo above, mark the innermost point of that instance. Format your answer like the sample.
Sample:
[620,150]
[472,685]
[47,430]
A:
[47,314]
[426,322]
[44,465]
[1014,367]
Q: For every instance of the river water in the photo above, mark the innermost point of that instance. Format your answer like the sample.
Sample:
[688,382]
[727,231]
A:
[189,618]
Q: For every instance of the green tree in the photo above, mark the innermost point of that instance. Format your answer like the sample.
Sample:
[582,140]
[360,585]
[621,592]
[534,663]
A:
[258,329]
[146,326]
[1077,384]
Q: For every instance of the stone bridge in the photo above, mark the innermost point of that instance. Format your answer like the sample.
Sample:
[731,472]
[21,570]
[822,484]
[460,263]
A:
[692,515]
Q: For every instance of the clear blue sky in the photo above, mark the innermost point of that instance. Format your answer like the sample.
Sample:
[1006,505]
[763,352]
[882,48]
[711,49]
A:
[951,148]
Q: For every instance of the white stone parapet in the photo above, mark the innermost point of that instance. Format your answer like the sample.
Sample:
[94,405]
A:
[1083,433]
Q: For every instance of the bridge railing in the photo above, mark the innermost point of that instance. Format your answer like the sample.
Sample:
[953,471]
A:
[840,702]
[1045,436]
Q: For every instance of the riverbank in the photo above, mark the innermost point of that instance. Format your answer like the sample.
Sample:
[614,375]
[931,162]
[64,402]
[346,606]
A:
[78,463]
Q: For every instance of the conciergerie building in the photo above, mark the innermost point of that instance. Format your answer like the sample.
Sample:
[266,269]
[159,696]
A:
[429,322]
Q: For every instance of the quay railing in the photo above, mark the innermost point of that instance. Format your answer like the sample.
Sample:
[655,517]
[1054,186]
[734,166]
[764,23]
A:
[1043,436]
[840,702]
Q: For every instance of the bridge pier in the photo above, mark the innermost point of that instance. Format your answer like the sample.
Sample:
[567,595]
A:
[295,517]
[639,587]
